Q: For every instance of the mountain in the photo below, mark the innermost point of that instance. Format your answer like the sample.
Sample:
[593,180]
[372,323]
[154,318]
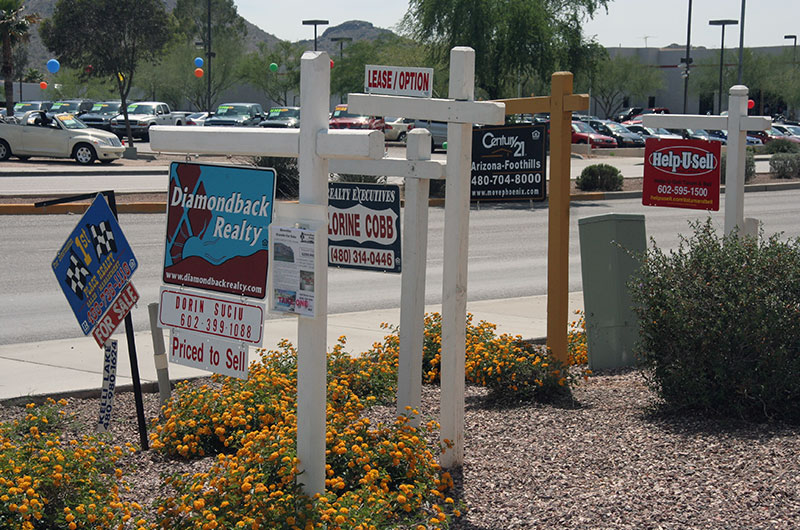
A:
[356,29]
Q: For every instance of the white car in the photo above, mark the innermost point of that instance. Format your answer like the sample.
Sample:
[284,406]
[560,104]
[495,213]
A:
[397,129]
[60,136]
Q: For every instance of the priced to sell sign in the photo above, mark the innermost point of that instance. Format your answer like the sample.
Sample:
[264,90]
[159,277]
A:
[681,174]
[217,219]
[508,162]
[364,226]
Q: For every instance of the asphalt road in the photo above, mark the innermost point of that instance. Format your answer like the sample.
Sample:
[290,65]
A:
[508,245]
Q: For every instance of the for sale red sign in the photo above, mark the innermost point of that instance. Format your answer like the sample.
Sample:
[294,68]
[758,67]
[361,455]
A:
[681,174]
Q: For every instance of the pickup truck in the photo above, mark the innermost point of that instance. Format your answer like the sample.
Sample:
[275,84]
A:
[60,136]
[143,115]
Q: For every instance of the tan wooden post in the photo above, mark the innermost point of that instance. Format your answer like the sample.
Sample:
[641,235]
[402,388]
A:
[560,105]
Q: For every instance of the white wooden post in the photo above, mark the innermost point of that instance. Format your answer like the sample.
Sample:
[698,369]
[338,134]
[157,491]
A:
[456,252]
[737,123]
[412,291]
[417,169]
[313,144]
[315,75]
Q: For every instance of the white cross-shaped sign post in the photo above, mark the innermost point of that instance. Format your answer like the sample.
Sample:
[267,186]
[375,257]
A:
[313,144]
[460,112]
[737,123]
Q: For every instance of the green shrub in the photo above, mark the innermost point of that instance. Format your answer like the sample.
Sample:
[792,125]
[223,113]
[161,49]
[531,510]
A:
[600,177]
[720,325]
[749,166]
[785,165]
[287,175]
[781,145]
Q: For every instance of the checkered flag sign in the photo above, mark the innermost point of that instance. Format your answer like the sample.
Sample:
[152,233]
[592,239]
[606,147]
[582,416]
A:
[76,275]
[102,238]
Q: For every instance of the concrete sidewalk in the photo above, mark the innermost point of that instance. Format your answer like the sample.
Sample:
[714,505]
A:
[74,365]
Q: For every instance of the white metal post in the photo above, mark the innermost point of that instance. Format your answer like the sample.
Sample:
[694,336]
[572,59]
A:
[315,76]
[456,251]
[412,291]
[735,165]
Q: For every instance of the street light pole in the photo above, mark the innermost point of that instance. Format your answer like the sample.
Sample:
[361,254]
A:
[723,23]
[741,45]
[315,23]
[341,41]
[209,55]
[794,47]
[688,58]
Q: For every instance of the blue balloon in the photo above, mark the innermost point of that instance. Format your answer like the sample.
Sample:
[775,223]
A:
[198,62]
[53,66]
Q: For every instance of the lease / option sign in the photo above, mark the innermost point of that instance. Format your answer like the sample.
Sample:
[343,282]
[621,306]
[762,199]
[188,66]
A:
[681,174]
[224,318]
[398,80]
[203,351]
[508,162]
[217,219]
[364,226]
[94,265]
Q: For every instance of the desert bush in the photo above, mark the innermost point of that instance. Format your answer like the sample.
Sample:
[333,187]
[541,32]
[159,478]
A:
[720,325]
[600,177]
[287,174]
[785,165]
[781,145]
[749,166]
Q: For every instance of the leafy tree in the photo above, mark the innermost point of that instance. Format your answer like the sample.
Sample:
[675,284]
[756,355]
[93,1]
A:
[14,27]
[113,37]
[514,40]
[227,45]
[275,85]
[618,77]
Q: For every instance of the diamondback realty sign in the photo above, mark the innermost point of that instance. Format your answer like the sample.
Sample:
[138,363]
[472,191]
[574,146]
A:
[217,219]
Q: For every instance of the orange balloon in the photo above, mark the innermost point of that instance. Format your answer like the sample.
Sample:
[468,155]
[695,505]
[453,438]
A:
[43,85]
[198,72]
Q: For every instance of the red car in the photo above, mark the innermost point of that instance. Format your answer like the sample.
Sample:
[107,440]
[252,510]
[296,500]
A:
[341,119]
[582,133]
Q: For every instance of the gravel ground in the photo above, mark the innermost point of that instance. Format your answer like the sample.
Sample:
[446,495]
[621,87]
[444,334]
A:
[602,461]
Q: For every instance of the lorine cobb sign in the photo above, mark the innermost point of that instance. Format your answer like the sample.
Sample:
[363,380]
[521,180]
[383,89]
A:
[364,226]
[508,162]
[217,219]
[682,174]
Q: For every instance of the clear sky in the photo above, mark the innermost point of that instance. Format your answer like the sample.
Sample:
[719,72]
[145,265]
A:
[627,22]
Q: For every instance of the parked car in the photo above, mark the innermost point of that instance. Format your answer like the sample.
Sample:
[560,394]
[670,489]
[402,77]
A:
[197,118]
[283,118]
[438,130]
[101,114]
[582,133]
[236,115]
[396,129]
[620,133]
[24,106]
[143,115]
[627,114]
[787,129]
[76,107]
[342,119]
[60,136]
[652,132]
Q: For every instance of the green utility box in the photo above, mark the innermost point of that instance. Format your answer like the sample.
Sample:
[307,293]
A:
[606,266]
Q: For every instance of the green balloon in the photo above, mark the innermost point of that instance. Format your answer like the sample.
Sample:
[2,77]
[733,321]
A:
[444,146]
[273,67]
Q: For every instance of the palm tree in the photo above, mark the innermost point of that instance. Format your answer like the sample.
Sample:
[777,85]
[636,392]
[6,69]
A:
[14,26]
